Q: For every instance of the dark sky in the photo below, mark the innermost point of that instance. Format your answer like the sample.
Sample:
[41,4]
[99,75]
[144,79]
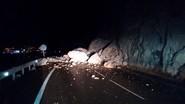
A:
[44,21]
[71,22]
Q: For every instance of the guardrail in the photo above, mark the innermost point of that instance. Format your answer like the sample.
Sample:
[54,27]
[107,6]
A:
[20,70]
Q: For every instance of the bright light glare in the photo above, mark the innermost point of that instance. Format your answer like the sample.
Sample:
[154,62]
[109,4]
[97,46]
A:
[16,52]
[36,61]
[6,74]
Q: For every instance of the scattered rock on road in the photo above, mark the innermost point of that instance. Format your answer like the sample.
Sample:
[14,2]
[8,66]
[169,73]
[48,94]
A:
[92,76]
[109,64]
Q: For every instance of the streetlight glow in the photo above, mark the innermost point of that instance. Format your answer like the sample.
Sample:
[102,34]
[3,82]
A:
[6,74]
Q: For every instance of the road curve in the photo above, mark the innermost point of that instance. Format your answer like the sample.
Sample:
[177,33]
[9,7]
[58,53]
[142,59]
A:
[81,86]
[85,85]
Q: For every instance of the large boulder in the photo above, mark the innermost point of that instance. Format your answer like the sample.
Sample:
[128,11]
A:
[108,51]
[95,59]
[97,45]
[77,56]
[113,55]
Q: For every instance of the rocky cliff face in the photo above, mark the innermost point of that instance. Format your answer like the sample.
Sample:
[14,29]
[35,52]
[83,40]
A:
[153,44]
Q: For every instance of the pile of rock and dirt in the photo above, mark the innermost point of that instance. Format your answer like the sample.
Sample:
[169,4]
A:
[112,54]
[100,52]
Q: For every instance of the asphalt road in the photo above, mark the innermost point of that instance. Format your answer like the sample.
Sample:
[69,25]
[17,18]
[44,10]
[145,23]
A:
[87,85]
[83,85]
[24,89]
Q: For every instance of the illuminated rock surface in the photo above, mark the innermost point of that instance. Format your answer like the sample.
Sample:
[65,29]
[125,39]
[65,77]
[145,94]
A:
[95,59]
[155,45]
[77,56]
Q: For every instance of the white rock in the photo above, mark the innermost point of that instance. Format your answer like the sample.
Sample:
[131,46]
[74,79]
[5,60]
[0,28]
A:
[66,61]
[152,89]
[125,63]
[97,78]
[87,69]
[73,63]
[93,76]
[85,62]
[109,65]
[118,67]
[147,84]
[66,57]
[95,59]
[77,56]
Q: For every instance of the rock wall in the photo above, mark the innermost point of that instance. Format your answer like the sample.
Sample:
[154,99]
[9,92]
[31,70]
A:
[154,44]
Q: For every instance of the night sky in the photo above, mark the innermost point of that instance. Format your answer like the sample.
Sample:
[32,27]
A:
[33,22]
[73,23]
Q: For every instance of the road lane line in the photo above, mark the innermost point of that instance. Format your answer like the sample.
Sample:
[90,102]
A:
[124,88]
[127,89]
[41,91]
[99,73]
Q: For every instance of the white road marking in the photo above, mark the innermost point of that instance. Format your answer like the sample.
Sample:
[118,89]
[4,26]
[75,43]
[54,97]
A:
[99,73]
[127,89]
[124,88]
[41,91]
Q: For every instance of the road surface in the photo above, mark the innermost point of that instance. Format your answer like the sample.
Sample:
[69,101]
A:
[87,85]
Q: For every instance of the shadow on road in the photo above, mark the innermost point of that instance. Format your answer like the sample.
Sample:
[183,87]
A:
[23,90]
